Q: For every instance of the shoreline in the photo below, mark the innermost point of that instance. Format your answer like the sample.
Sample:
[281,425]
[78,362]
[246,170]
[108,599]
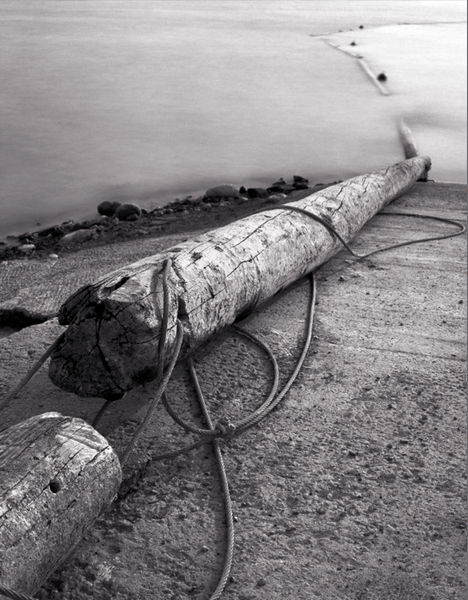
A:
[219,206]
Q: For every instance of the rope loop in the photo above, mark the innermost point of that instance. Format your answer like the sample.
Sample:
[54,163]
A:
[225,428]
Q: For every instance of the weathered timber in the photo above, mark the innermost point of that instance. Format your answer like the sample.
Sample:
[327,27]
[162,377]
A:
[407,140]
[111,344]
[56,474]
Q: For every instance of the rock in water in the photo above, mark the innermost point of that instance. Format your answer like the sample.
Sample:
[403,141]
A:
[225,190]
[257,193]
[107,209]
[124,211]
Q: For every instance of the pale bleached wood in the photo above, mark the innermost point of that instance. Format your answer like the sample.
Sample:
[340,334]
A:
[56,474]
[111,344]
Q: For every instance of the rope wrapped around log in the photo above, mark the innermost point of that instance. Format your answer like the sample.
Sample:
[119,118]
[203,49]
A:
[114,325]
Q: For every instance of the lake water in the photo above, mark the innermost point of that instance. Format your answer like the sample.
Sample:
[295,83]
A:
[149,100]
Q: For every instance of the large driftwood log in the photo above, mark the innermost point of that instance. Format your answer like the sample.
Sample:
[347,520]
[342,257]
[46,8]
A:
[56,474]
[111,344]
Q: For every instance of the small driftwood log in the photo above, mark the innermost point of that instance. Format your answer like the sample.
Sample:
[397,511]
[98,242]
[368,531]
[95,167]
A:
[111,344]
[56,474]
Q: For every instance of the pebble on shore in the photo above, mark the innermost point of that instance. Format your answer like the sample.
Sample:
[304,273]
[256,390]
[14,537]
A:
[118,220]
[77,237]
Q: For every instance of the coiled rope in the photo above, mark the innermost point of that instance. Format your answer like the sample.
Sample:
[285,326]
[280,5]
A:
[224,428]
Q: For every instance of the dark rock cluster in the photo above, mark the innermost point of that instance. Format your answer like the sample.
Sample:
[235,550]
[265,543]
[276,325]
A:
[120,221]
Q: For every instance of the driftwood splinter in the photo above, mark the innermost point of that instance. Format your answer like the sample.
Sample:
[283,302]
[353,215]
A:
[114,325]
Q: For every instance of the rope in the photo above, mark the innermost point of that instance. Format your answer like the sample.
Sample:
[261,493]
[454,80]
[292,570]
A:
[30,374]
[227,497]
[255,418]
[271,402]
[161,352]
[461,227]
[13,595]
[223,429]
[163,380]
[159,392]
[332,230]
[268,405]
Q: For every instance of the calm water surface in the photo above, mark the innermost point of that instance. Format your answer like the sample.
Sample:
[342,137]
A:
[148,100]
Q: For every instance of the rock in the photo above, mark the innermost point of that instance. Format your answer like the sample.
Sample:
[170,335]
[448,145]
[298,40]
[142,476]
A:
[77,237]
[353,44]
[54,231]
[26,248]
[225,190]
[107,208]
[301,186]
[78,226]
[133,217]
[206,206]
[53,256]
[381,77]
[25,236]
[275,199]
[276,189]
[93,222]
[283,189]
[242,190]
[124,211]
[106,222]
[257,193]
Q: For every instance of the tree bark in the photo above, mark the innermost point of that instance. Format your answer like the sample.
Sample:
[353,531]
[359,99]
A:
[111,344]
[56,474]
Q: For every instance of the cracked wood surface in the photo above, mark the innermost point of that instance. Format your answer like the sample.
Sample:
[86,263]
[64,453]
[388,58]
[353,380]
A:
[111,344]
[56,474]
